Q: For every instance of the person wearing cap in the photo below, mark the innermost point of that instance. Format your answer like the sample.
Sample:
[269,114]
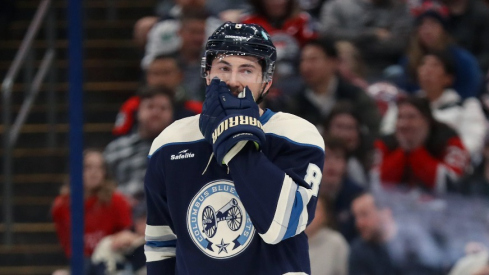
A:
[422,152]
[431,34]
[230,191]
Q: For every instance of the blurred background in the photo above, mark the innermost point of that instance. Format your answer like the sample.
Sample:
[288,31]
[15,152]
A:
[398,89]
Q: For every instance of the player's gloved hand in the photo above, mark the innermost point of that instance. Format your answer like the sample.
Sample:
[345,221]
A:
[212,111]
[239,125]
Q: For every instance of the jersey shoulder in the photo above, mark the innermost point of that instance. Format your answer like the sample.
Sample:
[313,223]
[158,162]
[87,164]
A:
[181,131]
[294,129]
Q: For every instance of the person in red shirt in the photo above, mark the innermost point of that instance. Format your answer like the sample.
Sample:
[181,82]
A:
[106,211]
[422,152]
[164,71]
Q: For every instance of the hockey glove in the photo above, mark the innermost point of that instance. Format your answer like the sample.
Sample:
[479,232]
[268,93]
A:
[239,125]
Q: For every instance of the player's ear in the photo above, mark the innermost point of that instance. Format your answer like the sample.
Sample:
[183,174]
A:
[208,79]
[268,85]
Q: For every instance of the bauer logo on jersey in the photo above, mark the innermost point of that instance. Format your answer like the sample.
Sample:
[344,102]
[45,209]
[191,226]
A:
[217,221]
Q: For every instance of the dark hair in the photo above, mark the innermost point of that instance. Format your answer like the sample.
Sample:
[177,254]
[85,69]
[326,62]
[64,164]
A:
[327,45]
[342,107]
[445,58]
[365,148]
[336,144]
[172,56]
[146,92]
[193,14]
[422,104]
[259,8]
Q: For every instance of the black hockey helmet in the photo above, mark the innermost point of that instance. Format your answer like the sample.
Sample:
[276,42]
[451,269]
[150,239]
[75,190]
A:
[241,39]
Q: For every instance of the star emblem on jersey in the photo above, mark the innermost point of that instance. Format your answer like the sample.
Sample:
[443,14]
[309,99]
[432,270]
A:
[217,221]
[222,247]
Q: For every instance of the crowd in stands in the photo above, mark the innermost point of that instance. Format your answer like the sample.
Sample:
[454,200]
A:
[396,88]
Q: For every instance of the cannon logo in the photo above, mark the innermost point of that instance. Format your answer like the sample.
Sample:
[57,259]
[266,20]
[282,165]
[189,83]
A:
[217,221]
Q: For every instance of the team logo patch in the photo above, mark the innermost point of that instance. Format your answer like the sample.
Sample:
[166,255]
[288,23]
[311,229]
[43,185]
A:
[217,221]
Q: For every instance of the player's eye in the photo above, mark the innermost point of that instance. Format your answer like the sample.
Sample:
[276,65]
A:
[224,69]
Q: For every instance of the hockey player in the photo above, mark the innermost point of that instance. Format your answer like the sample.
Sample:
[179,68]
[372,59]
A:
[230,191]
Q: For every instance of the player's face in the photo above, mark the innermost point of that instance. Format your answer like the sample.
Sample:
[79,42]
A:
[155,114]
[238,72]
[164,72]
[93,170]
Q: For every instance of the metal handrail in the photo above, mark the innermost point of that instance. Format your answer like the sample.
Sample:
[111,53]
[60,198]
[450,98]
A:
[10,136]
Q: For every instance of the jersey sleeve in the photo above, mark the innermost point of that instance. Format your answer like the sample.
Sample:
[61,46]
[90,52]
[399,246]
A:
[160,240]
[280,194]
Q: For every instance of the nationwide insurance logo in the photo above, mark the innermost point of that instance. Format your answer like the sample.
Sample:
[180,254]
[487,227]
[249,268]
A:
[184,154]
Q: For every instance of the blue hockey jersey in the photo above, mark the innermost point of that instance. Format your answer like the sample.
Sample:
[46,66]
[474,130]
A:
[247,218]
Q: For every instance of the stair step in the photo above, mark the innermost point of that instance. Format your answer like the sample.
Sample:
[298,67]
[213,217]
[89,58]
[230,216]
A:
[22,25]
[90,139]
[87,64]
[90,4]
[33,238]
[98,87]
[43,128]
[33,259]
[30,227]
[31,269]
[29,249]
[50,164]
[34,188]
[32,200]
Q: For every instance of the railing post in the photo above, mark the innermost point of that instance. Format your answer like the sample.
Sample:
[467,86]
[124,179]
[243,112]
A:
[52,77]
[7,165]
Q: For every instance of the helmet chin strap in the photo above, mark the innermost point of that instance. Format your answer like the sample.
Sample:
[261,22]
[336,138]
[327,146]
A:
[262,94]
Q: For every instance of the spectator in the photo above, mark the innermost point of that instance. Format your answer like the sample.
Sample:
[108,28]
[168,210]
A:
[469,26]
[422,152]
[161,31]
[378,28]
[431,34]
[435,75]
[324,87]
[106,210]
[386,248]
[336,185]
[127,155]
[123,252]
[164,71]
[352,67]
[328,250]
[344,123]
[186,36]
[289,28]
